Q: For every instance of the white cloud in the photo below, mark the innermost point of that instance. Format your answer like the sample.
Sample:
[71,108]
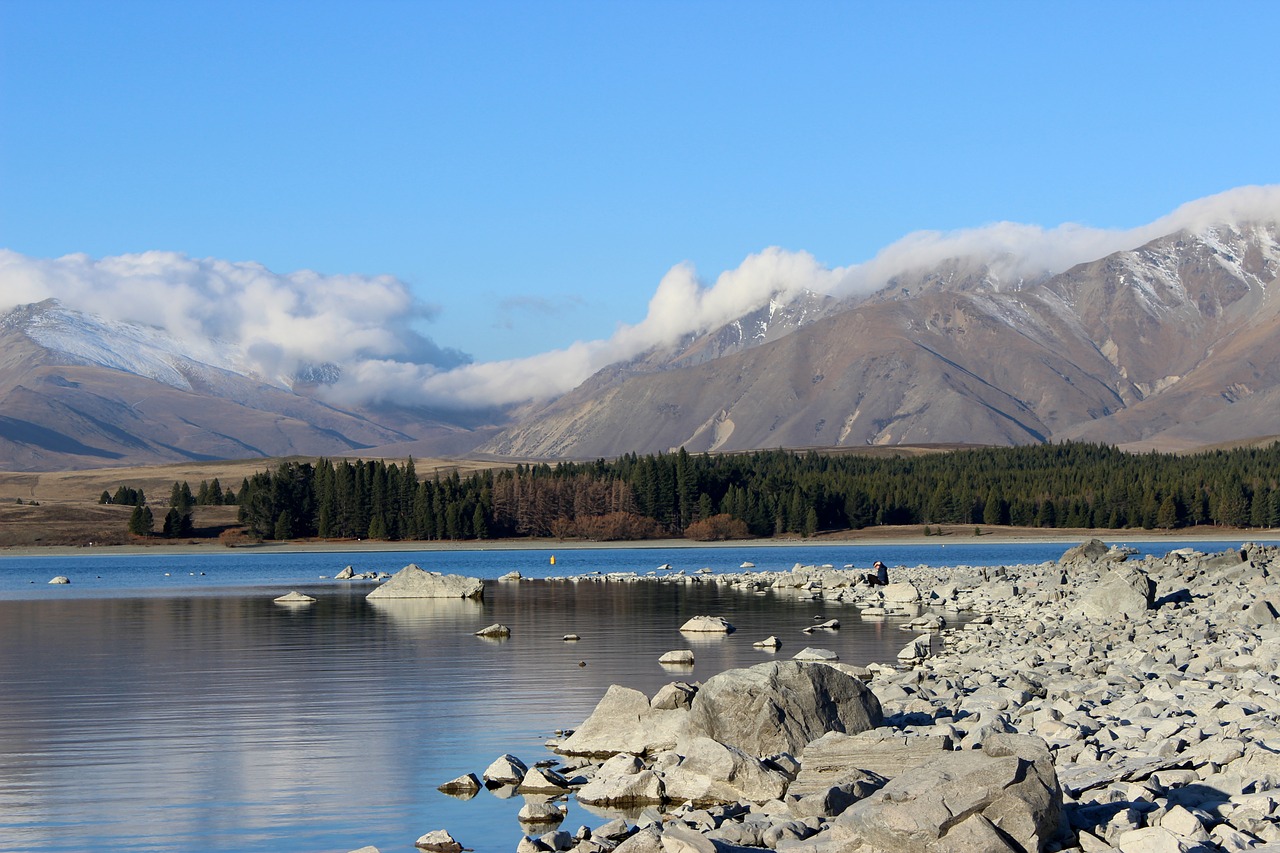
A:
[365,323]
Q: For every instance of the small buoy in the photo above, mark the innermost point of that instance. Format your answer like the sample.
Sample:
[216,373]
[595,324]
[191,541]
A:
[553,559]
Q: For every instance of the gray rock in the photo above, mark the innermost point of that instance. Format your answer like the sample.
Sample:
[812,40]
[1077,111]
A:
[438,841]
[346,574]
[708,625]
[780,707]
[494,630]
[1124,591]
[704,771]
[413,582]
[679,657]
[901,593]
[294,597]
[60,579]
[678,695]
[634,789]
[1091,551]
[624,721]
[506,769]
[1010,782]
[769,642]
[868,759]
[810,654]
[539,780]
[540,813]
[462,785]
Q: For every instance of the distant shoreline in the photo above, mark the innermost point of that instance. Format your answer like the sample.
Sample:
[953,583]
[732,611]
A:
[952,534]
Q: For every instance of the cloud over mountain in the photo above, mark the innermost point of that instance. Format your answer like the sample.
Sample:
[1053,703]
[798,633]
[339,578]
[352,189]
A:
[366,325]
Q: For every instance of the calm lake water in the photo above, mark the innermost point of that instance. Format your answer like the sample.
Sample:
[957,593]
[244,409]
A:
[162,703]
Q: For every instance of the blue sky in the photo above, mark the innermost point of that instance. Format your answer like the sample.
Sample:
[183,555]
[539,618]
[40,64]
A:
[533,170]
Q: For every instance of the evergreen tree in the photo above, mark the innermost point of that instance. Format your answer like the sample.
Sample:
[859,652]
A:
[284,526]
[105,497]
[141,521]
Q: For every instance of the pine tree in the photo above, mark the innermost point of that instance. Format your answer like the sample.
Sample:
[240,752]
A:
[141,521]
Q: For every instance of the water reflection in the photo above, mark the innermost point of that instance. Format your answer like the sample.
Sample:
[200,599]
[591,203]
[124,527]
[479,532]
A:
[227,722]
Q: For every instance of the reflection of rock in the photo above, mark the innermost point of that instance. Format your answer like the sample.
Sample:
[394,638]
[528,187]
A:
[294,597]
[410,611]
[413,582]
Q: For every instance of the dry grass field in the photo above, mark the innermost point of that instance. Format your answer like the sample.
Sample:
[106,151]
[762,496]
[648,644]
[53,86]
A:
[66,509]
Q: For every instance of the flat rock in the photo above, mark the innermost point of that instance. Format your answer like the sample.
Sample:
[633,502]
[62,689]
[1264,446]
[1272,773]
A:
[294,597]
[708,625]
[413,582]
[494,630]
[780,706]
[678,657]
[808,653]
[624,721]
[836,758]
[769,642]
[465,784]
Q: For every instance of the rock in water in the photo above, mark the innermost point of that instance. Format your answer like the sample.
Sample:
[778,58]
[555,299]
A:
[467,784]
[61,579]
[678,657]
[294,597]
[438,841]
[494,630]
[506,769]
[780,706]
[624,721]
[1086,552]
[346,574]
[708,625]
[413,582]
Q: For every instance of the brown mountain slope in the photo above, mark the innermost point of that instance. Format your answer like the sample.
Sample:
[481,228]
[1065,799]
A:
[1174,341]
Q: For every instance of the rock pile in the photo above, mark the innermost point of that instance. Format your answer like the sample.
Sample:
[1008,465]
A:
[1091,704]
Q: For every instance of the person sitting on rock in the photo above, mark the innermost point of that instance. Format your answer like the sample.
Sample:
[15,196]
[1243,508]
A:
[882,574]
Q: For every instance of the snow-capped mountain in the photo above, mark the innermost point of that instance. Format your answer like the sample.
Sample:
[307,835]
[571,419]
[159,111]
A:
[1173,344]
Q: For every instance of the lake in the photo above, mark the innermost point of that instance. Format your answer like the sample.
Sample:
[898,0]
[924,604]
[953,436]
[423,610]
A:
[162,703]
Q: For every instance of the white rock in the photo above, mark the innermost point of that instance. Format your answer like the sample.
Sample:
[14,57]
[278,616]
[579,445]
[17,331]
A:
[708,625]
[294,597]
[61,579]
[678,657]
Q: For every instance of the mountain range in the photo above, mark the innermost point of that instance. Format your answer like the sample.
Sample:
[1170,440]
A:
[1170,345]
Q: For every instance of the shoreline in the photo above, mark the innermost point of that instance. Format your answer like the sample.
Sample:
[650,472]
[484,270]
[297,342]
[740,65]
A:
[888,536]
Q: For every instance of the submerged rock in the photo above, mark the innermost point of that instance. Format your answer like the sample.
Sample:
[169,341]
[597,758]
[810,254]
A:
[413,582]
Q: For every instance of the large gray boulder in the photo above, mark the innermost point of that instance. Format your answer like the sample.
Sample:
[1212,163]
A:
[1091,551]
[1123,591]
[1010,783]
[780,706]
[413,582]
[706,772]
[624,721]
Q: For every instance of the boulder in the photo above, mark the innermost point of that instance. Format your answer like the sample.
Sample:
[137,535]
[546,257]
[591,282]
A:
[540,813]
[780,707]
[294,597]
[632,789]
[346,574]
[870,758]
[704,771]
[808,653]
[506,769]
[901,593]
[678,695]
[413,582]
[624,721]
[1123,591]
[467,784]
[539,780]
[679,657]
[708,625]
[60,579]
[438,841]
[494,630]
[1091,551]
[1010,782]
[769,642]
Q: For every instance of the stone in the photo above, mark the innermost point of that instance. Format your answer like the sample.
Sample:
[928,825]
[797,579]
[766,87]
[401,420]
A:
[506,769]
[624,721]
[438,841]
[60,579]
[679,657]
[346,574]
[540,813]
[571,638]
[901,593]
[1152,839]
[870,759]
[462,785]
[704,771]
[769,642]
[808,653]
[540,780]
[708,625]
[1124,591]
[780,706]
[633,789]
[494,630]
[1010,782]
[1091,551]
[413,582]
[678,695]
[294,597]
[511,576]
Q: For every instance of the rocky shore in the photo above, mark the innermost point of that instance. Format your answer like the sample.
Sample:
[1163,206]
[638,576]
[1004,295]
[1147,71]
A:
[1095,703]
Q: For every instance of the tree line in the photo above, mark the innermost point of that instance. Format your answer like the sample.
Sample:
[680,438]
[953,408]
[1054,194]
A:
[763,493]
